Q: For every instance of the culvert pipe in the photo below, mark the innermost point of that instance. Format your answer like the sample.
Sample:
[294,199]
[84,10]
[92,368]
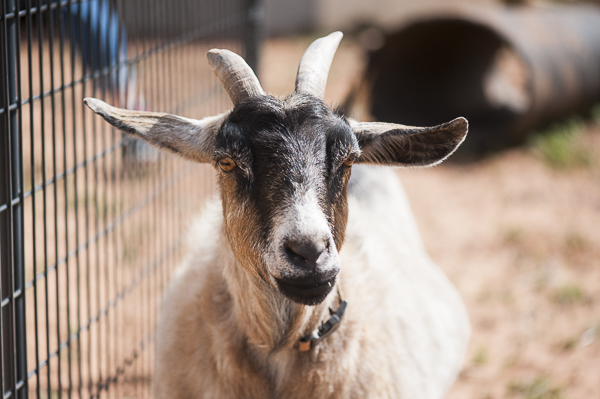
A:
[508,70]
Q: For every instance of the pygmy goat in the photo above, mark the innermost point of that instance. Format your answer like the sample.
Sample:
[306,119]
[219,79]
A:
[302,282]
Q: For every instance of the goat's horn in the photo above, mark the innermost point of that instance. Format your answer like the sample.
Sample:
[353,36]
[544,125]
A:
[315,63]
[236,76]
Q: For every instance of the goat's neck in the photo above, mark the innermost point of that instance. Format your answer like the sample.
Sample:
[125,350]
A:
[268,320]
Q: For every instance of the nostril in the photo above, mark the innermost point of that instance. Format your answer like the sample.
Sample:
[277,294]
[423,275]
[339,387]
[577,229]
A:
[305,251]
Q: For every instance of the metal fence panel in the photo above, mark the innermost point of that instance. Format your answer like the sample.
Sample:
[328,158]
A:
[91,222]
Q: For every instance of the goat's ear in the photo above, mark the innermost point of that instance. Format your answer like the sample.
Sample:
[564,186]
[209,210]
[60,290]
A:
[192,139]
[392,144]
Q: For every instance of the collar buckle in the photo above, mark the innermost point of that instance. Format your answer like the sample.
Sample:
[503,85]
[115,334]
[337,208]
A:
[307,342]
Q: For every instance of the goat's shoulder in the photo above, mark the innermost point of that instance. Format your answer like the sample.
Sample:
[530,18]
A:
[390,280]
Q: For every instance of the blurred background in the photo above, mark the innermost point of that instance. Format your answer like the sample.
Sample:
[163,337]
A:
[91,222]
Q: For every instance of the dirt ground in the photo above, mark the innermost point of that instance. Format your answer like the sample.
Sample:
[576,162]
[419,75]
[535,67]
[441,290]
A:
[517,233]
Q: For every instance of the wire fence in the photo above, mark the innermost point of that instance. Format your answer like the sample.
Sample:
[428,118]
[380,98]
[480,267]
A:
[91,222]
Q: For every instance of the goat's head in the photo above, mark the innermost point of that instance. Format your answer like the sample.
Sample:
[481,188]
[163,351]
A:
[284,166]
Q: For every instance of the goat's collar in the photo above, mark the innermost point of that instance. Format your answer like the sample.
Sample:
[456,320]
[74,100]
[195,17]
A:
[309,341]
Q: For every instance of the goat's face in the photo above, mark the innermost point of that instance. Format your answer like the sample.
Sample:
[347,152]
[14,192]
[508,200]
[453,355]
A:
[284,166]
[283,171]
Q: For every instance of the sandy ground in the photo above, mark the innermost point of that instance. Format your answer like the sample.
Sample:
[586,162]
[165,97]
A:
[519,239]
[517,236]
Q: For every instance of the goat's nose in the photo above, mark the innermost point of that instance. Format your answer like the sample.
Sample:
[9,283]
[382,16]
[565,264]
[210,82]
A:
[305,253]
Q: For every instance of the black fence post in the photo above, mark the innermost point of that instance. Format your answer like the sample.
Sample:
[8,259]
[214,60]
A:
[253,32]
[12,318]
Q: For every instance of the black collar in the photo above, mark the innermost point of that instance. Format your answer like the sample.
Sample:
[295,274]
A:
[309,341]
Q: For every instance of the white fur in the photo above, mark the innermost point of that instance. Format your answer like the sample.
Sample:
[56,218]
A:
[304,218]
[223,333]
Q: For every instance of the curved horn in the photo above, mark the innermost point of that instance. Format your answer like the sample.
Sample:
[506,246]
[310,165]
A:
[315,63]
[236,76]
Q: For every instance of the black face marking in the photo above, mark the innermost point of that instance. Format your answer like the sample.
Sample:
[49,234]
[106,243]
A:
[283,149]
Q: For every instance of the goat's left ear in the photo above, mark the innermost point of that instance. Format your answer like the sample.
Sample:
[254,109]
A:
[392,144]
[193,139]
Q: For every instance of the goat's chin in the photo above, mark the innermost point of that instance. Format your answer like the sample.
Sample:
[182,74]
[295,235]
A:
[305,295]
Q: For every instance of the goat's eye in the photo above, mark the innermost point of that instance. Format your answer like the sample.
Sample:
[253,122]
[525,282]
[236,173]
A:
[350,160]
[227,164]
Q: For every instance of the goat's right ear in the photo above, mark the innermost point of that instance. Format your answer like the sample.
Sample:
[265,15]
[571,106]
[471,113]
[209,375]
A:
[190,138]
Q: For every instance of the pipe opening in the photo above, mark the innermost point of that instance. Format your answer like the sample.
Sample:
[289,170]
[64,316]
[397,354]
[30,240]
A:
[434,71]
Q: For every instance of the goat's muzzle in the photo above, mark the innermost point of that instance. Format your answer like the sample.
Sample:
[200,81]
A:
[309,269]
[307,291]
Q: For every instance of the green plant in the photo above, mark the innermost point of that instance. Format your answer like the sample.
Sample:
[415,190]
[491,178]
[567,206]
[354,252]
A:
[569,294]
[561,145]
[596,114]
[480,356]
[539,388]
[569,344]
[514,235]
[575,242]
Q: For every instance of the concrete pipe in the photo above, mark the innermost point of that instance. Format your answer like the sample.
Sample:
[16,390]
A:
[508,70]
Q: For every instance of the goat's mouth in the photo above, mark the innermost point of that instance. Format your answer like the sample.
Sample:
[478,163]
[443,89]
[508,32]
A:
[305,292]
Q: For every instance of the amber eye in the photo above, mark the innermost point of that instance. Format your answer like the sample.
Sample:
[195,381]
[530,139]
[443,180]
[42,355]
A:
[227,164]
[350,160]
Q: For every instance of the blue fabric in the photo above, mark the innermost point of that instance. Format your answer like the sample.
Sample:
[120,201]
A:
[101,30]
[100,45]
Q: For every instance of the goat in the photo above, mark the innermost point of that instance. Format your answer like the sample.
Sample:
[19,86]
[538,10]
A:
[258,309]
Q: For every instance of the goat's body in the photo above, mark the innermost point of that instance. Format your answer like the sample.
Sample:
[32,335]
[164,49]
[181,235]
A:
[224,333]
[266,258]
